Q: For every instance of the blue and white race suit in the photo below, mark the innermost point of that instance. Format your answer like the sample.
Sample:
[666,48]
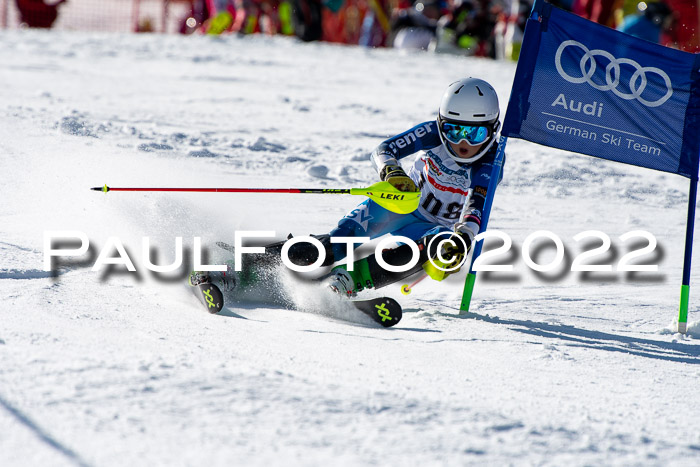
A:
[444,186]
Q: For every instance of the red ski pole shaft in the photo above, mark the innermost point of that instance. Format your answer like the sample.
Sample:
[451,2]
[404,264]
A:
[228,190]
[383,193]
[406,289]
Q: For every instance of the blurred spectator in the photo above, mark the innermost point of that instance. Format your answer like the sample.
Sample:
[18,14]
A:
[246,17]
[37,13]
[307,19]
[376,26]
[198,14]
[485,28]
[684,33]
[510,28]
[628,7]
[415,27]
[221,16]
[600,11]
[344,25]
[284,17]
[650,20]
[468,28]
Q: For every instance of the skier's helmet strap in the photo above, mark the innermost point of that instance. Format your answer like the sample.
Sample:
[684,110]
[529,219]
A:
[469,102]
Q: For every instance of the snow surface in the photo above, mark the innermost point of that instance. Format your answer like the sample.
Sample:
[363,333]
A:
[114,368]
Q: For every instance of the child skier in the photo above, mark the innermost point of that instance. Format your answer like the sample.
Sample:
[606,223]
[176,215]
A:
[458,152]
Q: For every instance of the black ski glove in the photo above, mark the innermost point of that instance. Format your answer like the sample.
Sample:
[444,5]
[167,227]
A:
[451,255]
[456,248]
[395,175]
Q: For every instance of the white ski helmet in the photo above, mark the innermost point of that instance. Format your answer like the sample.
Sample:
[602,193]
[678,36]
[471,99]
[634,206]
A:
[470,101]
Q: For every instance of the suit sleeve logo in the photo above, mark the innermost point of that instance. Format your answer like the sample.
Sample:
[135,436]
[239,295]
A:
[637,82]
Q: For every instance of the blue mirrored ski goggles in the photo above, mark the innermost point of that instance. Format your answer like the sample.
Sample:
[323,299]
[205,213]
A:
[455,133]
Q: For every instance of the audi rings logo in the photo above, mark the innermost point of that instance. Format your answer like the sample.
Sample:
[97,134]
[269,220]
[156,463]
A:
[638,80]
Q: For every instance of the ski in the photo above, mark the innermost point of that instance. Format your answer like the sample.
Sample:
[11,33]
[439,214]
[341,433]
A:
[210,296]
[384,310]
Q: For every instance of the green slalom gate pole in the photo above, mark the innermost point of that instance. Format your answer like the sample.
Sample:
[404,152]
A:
[491,191]
[685,287]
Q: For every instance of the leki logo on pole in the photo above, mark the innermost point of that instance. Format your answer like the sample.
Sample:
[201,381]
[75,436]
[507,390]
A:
[637,82]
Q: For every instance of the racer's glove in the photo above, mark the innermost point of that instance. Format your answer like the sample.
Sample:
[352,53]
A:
[457,246]
[450,259]
[460,229]
[395,175]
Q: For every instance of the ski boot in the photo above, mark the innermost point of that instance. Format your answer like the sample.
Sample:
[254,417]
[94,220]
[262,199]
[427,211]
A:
[225,280]
[368,274]
[199,277]
[350,283]
[341,282]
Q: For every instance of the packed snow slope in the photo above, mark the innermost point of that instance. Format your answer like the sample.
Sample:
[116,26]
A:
[114,368]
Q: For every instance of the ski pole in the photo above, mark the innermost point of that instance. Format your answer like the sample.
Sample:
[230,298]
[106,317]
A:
[406,288]
[382,193]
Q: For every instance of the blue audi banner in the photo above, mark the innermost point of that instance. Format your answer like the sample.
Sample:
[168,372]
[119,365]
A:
[586,88]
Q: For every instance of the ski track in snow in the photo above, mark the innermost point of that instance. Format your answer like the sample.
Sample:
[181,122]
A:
[113,368]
